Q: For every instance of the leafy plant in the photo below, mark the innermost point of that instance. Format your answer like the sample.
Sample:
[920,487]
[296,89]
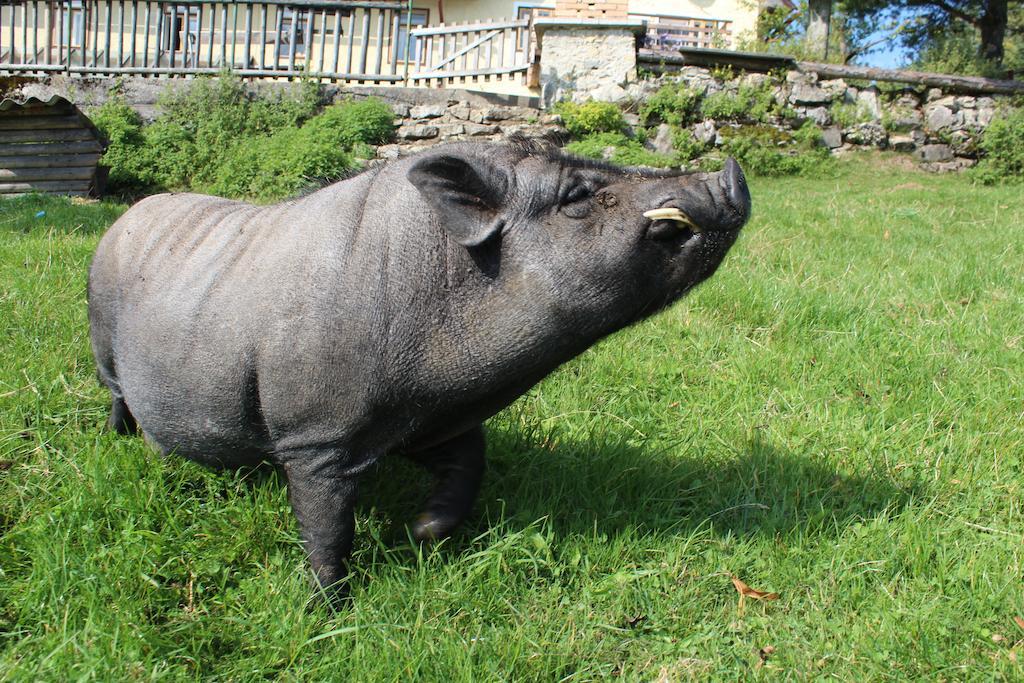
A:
[765,151]
[591,117]
[748,103]
[675,103]
[846,114]
[619,149]
[218,137]
[1003,147]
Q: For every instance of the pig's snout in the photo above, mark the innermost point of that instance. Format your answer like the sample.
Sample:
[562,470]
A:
[715,202]
[734,188]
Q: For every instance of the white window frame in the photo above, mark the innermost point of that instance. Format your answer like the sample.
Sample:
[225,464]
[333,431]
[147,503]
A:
[400,38]
[303,33]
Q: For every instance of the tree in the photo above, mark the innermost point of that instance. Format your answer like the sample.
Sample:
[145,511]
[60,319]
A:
[819,16]
[929,20]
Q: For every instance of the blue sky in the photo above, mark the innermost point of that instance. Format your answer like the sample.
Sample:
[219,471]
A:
[886,57]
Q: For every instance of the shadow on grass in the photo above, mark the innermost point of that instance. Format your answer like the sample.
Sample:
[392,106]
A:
[584,488]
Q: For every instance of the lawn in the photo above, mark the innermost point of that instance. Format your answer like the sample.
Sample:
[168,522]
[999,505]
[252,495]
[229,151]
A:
[837,417]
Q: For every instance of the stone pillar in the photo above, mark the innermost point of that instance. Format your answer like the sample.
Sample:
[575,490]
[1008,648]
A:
[585,59]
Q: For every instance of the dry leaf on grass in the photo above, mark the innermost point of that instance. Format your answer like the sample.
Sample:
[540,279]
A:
[746,591]
[1019,622]
[762,655]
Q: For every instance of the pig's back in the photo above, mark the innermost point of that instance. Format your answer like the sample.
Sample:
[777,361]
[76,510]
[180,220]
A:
[184,282]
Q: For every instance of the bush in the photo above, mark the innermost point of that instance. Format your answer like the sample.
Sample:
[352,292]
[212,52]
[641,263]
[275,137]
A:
[619,149]
[675,104]
[590,118]
[217,137]
[686,145]
[845,115]
[749,103]
[765,151]
[122,127]
[280,165]
[369,122]
[1002,145]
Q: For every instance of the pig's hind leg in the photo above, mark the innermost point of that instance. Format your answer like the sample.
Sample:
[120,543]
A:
[458,468]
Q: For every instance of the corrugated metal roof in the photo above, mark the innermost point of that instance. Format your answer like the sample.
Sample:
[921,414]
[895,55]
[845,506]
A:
[9,103]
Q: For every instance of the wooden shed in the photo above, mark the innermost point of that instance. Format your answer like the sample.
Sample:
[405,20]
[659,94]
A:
[48,147]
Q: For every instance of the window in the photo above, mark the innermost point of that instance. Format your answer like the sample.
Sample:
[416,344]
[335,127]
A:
[531,11]
[419,18]
[300,20]
[175,37]
[74,22]
[668,33]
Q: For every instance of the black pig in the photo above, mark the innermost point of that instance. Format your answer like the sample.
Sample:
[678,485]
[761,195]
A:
[390,312]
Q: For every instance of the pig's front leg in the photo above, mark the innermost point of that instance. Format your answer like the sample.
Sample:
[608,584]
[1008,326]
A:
[323,495]
[458,468]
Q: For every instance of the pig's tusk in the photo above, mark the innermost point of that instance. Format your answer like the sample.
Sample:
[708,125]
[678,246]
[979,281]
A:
[671,214]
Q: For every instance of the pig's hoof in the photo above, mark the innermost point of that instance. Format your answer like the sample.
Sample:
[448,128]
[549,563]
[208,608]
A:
[433,527]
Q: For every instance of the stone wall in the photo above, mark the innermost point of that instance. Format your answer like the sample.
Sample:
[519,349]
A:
[941,130]
[459,118]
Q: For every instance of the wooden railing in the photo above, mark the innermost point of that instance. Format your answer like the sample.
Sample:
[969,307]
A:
[341,41]
[364,41]
[447,55]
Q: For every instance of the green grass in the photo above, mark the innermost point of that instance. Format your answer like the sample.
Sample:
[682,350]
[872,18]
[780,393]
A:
[836,416]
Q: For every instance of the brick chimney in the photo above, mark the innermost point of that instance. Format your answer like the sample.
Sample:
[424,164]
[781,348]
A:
[613,10]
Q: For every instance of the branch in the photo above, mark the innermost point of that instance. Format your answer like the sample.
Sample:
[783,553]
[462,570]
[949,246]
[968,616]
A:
[861,49]
[948,8]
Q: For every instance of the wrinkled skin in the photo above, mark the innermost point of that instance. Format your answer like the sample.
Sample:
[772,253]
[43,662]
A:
[391,312]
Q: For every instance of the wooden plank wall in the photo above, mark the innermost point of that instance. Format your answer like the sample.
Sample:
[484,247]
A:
[49,148]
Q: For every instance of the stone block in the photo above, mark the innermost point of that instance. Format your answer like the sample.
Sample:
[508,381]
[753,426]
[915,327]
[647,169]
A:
[450,130]
[836,88]
[490,114]
[460,111]
[935,153]
[608,92]
[939,117]
[870,134]
[832,137]
[819,115]
[662,140]
[705,131]
[902,143]
[426,111]
[477,129]
[418,132]
[869,102]
[808,94]
[401,110]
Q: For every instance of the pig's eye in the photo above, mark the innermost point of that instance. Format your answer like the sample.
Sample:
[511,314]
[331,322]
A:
[576,193]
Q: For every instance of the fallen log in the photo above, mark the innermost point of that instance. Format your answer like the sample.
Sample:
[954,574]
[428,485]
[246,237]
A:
[963,84]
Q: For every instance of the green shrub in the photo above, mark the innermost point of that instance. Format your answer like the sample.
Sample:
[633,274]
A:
[219,138]
[676,104]
[620,150]
[686,145]
[765,151]
[280,165]
[122,127]
[369,121]
[591,117]
[846,114]
[749,103]
[1002,145]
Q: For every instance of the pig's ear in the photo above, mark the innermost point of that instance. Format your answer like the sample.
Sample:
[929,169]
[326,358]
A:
[467,193]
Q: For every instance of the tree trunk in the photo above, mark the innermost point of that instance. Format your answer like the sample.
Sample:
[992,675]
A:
[993,30]
[819,15]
